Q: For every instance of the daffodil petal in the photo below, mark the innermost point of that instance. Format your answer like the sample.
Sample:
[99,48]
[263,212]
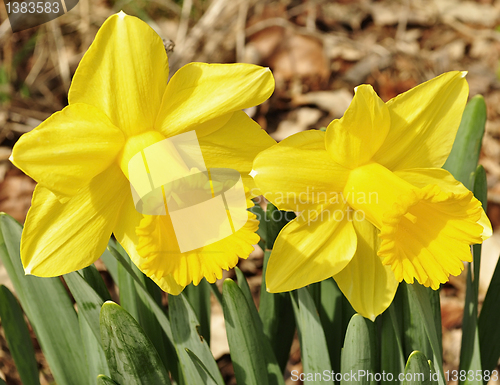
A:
[367,284]
[199,93]
[311,251]
[298,172]
[352,140]
[235,145]
[62,237]
[167,284]
[68,149]
[424,123]
[422,177]
[487,229]
[125,233]
[124,73]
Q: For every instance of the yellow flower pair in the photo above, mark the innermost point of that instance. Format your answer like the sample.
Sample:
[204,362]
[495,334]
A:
[374,205]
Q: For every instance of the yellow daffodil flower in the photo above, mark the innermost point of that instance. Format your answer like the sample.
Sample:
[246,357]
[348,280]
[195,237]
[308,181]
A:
[119,104]
[375,205]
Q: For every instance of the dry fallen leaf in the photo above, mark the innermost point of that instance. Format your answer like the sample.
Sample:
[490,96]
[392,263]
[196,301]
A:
[333,102]
[15,194]
[298,121]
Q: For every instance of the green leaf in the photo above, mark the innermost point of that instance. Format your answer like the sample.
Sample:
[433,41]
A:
[94,353]
[200,366]
[464,155]
[275,309]
[128,291]
[328,299]
[347,313]
[92,276]
[462,163]
[489,332]
[49,309]
[275,372]
[110,261]
[418,370]
[480,186]
[89,304]
[247,352]
[114,258]
[88,301]
[391,339]
[216,292]
[261,217]
[277,317]
[435,301]
[245,290]
[136,294]
[199,298]
[18,337]
[481,193]
[131,356]
[470,352]
[275,221]
[315,358]
[359,352]
[105,380]
[421,298]
[415,337]
[185,329]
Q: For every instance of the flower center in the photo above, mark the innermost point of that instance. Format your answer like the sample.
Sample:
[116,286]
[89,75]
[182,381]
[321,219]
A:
[373,190]
[137,144]
[158,172]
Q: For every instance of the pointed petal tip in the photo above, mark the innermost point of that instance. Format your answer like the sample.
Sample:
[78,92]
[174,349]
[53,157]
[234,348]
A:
[463,74]
[27,270]
[253,173]
[121,15]
[362,86]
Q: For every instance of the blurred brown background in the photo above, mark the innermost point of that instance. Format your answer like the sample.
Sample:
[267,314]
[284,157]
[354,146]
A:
[318,51]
